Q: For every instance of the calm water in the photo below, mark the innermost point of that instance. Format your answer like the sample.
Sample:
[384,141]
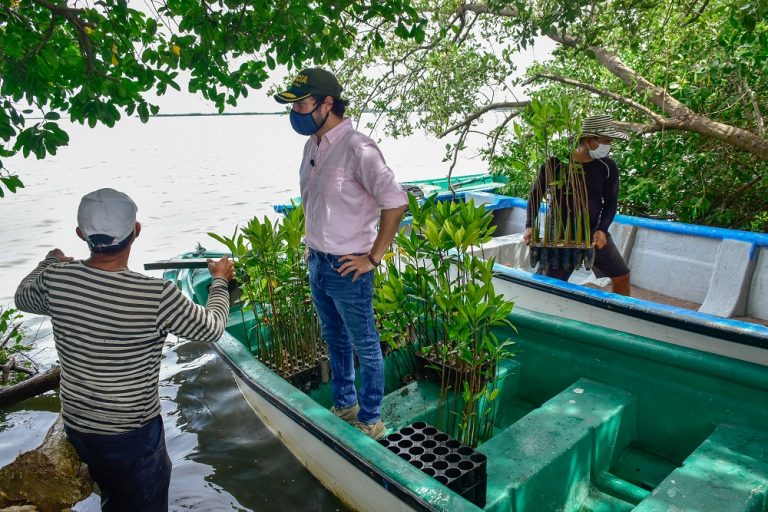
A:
[188,176]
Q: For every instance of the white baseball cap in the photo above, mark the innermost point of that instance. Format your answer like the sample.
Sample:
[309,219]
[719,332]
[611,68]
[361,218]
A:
[108,213]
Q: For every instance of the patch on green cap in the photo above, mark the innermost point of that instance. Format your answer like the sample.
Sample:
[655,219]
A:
[312,81]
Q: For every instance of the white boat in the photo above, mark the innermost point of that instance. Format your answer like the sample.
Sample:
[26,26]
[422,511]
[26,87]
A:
[700,287]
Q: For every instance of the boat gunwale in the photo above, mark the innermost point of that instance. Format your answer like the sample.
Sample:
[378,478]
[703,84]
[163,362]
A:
[401,491]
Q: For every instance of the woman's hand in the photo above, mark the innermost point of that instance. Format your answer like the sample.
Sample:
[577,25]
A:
[599,239]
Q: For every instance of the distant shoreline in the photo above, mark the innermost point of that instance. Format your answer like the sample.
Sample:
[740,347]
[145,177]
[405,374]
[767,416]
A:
[215,114]
[212,114]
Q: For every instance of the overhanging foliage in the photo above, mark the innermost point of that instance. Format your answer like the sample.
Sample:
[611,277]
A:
[688,77]
[97,61]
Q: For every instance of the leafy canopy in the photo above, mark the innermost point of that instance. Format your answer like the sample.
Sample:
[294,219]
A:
[690,78]
[96,61]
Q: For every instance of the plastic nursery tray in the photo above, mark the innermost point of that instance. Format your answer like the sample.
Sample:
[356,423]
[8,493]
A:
[457,466]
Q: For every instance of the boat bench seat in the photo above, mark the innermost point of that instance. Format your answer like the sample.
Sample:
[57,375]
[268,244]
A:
[419,400]
[728,472]
[545,460]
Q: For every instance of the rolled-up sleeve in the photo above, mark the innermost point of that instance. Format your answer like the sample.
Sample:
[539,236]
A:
[377,178]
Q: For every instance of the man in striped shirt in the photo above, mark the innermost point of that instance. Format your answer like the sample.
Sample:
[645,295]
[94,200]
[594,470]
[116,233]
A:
[109,325]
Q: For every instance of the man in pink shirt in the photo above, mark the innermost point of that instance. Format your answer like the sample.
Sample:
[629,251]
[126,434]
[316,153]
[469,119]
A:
[346,190]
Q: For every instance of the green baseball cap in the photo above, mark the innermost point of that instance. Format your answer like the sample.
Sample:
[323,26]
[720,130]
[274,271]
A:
[312,81]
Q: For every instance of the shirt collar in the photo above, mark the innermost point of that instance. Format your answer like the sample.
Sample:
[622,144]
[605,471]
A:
[338,131]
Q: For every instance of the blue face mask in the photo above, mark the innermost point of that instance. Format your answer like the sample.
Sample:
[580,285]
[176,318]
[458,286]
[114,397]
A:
[304,124]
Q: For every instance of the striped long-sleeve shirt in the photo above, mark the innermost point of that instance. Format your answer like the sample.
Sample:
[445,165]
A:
[109,329]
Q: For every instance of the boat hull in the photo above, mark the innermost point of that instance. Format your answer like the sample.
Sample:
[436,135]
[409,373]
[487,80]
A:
[354,467]
[353,487]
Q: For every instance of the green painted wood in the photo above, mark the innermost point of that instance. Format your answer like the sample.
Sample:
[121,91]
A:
[727,473]
[545,460]
[620,488]
[642,467]
[416,401]
[682,394]
[419,400]
[600,502]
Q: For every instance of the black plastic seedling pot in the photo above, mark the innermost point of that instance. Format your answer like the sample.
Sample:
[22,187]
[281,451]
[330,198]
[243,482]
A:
[457,466]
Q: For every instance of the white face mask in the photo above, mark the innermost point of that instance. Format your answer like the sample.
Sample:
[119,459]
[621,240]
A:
[601,151]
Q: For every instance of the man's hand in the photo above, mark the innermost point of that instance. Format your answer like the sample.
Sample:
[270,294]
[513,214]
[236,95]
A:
[527,236]
[357,264]
[59,255]
[224,268]
[599,239]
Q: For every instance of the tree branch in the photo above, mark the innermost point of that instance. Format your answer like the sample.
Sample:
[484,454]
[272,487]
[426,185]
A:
[696,15]
[499,129]
[13,367]
[11,333]
[602,92]
[641,128]
[45,39]
[456,150]
[739,191]
[73,16]
[61,10]
[744,86]
[508,12]
[484,110]
[686,119]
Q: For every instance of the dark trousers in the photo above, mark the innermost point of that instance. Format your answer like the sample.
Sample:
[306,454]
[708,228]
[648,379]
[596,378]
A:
[133,470]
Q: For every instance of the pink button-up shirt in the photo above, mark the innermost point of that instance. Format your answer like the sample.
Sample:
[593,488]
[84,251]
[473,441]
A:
[344,190]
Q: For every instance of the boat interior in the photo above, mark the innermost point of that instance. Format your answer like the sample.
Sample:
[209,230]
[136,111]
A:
[586,419]
[716,271]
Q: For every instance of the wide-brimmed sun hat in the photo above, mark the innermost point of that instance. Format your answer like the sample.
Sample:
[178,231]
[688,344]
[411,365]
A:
[312,81]
[601,125]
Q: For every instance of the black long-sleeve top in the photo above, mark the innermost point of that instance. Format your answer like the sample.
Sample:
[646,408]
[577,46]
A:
[602,182]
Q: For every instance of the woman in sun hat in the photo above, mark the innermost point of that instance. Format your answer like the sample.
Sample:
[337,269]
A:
[602,181]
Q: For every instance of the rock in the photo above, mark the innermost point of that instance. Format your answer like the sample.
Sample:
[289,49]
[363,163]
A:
[49,478]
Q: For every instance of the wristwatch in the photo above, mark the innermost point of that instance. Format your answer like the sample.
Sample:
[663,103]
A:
[373,261]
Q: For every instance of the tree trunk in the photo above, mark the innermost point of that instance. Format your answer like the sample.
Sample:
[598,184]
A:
[30,387]
[51,477]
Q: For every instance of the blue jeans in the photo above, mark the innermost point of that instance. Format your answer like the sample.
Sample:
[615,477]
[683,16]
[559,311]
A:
[345,310]
[133,469]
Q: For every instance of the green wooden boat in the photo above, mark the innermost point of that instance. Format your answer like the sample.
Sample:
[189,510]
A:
[589,419]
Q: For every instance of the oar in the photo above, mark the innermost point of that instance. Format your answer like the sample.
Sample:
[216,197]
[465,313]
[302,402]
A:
[234,289]
[177,264]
